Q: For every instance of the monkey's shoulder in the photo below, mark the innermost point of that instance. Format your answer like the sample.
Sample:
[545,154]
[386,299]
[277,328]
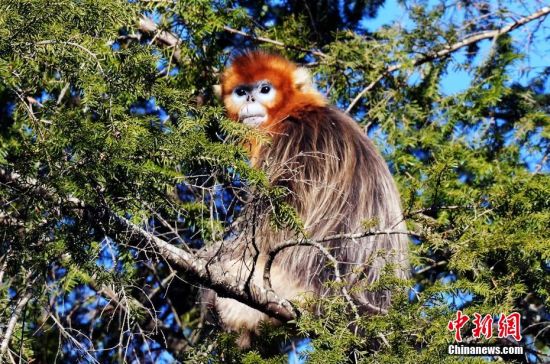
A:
[326,126]
[329,131]
[323,118]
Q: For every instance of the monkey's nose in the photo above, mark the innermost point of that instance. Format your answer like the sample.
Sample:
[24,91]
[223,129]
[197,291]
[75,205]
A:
[250,98]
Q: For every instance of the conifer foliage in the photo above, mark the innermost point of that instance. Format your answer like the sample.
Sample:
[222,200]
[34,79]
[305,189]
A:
[117,165]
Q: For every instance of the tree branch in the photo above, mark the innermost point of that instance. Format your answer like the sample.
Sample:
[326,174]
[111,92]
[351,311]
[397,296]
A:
[329,256]
[471,39]
[274,42]
[175,341]
[316,243]
[161,37]
[308,242]
[171,40]
[73,44]
[430,267]
[211,276]
[6,338]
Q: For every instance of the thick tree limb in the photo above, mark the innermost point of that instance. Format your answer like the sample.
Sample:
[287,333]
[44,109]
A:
[202,270]
[209,275]
[6,338]
[471,39]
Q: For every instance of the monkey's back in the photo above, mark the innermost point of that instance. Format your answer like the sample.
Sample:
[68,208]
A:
[338,182]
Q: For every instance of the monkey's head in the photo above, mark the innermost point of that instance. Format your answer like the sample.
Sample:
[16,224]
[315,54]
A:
[259,89]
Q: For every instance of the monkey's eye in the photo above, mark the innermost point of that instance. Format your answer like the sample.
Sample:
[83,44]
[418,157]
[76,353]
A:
[240,92]
[265,89]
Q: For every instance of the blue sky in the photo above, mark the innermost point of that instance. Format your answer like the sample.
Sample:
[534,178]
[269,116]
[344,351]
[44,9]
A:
[538,49]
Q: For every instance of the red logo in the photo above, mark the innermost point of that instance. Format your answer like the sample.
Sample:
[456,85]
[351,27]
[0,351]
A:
[483,326]
[457,324]
[508,325]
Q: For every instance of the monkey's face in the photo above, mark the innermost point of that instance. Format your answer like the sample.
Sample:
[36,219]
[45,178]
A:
[262,89]
[251,102]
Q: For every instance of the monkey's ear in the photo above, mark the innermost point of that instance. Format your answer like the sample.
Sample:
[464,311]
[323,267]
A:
[302,80]
[217,91]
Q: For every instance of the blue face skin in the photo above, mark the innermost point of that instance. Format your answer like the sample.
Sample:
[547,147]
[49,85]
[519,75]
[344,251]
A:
[251,99]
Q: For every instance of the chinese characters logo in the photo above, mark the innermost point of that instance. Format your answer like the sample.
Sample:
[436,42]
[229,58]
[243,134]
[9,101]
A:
[508,325]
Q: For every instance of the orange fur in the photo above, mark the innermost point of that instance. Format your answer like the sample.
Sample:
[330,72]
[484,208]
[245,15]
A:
[291,95]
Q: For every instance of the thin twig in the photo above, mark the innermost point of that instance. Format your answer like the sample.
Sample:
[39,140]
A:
[62,93]
[305,242]
[274,42]
[162,37]
[430,267]
[471,39]
[316,243]
[73,44]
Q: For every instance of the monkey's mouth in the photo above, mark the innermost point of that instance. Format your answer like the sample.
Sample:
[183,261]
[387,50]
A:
[254,120]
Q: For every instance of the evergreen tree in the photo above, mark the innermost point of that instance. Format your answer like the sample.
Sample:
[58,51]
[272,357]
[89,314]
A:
[117,165]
